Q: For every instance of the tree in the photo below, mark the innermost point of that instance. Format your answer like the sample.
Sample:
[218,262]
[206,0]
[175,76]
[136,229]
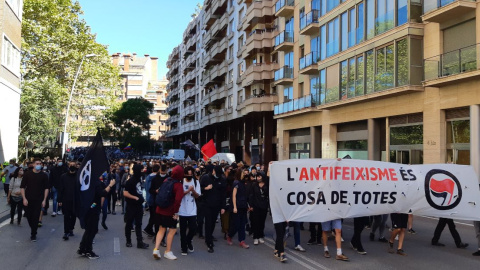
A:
[54,41]
[132,123]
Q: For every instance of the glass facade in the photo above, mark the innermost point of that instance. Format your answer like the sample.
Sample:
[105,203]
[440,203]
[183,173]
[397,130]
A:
[357,149]
[458,141]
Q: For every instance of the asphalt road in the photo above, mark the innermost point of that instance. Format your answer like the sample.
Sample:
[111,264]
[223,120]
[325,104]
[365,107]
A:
[51,252]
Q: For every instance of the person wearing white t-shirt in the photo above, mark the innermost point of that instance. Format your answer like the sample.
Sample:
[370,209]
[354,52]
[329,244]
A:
[188,210]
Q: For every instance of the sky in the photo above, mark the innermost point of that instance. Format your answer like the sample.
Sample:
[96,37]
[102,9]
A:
[151,27]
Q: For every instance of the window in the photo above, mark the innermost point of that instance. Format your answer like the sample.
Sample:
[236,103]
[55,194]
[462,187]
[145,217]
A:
[230,101]
[361,21]
[385,16]
[344,18]
[370,18]
[16,6]
[402,12]
[11,56]
[333,37]
[323,86]
[458,141]
[351,78]
[323,42]
[352,28]
[230,52]
[287,93]
[370,71]
[230,76]
[359,88]
[314,89]
[385,68]
[343,79]
[402,63]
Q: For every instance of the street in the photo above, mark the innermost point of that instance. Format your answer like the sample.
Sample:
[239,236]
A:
[51,252]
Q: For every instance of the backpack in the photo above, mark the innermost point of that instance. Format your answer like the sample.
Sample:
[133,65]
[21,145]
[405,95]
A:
[165,196]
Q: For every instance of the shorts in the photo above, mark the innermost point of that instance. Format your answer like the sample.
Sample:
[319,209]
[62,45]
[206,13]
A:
[167,221]
[399,221]
[332,224]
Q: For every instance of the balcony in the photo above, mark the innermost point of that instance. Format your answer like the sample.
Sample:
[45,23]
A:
[263,103]
[189,109]
[452,66]
[308,64]
[284,41]
[443,10]
[258,39]
[284,76]
[309,23]
[258,11]
[294,105]
[284,8]
[215,93]
[258,72]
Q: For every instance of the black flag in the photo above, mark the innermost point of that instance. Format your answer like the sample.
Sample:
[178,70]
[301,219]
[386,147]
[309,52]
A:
[94,164]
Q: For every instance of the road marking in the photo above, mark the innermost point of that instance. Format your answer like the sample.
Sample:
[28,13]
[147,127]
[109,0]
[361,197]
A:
[466,224]
[301,257]
[6,222]
[116,246]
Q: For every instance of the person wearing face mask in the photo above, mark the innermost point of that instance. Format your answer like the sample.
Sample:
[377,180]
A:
[66,195]
[214,188]
[155,185]
[125,177]
[56,172]
[259,203]
[239,208]
[14,197]
[7,171]
[148,230]
[34,189]
[188,211]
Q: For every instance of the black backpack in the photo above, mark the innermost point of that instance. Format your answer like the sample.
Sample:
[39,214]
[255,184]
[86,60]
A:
[165,196]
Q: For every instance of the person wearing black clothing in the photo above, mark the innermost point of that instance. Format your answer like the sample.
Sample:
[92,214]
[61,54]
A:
[112,198]
[34,189]
[105,203]
[149,229]
[214,192]
[259,203]
[66,195]
[157,182]
[201,202]
[442,222]
[315,229]
[238,208]
[359,224]
[134,211]
[55,173]
[91,219]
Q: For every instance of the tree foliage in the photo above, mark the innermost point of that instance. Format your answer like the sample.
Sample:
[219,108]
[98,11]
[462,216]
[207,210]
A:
[132,123]
[54,41]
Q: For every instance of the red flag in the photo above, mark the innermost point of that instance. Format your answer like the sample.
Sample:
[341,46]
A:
[209,150]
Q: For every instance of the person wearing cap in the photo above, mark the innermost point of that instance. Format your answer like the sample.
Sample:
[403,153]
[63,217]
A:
[168,217]
[214,188]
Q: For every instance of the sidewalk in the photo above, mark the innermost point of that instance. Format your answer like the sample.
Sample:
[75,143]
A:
[4,207]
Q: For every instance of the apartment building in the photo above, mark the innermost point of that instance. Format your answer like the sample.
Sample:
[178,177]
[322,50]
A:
[379,80]
[10,29]
[217,93]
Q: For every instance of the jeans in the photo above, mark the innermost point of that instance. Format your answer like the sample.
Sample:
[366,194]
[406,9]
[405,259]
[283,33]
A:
[54,195]
[258,222]
[134,214]
[280,234]
[296,232]
[442,222]
[16,206]
[91,229]
[379,222]
[190,224]
[238,222]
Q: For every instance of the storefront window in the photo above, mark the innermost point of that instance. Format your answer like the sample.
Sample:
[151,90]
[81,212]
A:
[357,149]
[458,142]
[406,135]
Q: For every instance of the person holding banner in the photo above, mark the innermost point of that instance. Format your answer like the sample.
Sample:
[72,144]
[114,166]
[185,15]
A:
[476,225]
[399,226]
[327,227]
[442,222]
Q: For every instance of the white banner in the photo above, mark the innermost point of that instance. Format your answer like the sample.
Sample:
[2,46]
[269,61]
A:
[317,190]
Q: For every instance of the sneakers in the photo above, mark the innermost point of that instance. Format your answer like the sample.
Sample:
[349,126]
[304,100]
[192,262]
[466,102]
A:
[261,240]
[411,231]
[353,247]
[342,257]
[54,214]
[40,224]
[65,237]
[156,254]
[255,241]
[383,240]
[372,236]
[326,254]
[80,252]
[59,212]
[401,252]
[462,245]
[190,247]
[299,248]
[229,241]
[283,258]
[104,226]
[70,234]
[91,255]
[184,252]
[169,255]
[244,245]
[311,242]
[361,251]
[142,245]
[128,244]
[390,247]
[437,244]
[210,249]
[476,253]
[33,238]
[148,233]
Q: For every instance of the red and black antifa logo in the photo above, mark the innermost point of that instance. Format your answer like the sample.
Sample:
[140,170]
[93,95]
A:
[442,189]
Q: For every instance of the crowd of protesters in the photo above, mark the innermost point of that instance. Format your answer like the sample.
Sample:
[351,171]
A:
[186,195]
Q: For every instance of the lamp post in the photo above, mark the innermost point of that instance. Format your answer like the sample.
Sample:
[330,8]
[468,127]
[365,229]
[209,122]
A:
[64,135]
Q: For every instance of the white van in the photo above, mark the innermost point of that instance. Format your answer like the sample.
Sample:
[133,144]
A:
[176,154]
[228,157]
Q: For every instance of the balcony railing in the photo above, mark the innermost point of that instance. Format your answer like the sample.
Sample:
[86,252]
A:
[294,105]
[282,3]
[309,59]
[451,63]
[309,18]
[434,4]
[285,36]
[285,72]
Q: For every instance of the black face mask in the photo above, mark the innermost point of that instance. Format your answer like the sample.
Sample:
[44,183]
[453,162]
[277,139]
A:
[188,177]
[72,168]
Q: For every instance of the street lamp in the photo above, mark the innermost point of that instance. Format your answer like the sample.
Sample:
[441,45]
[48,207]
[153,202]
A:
[64,135]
